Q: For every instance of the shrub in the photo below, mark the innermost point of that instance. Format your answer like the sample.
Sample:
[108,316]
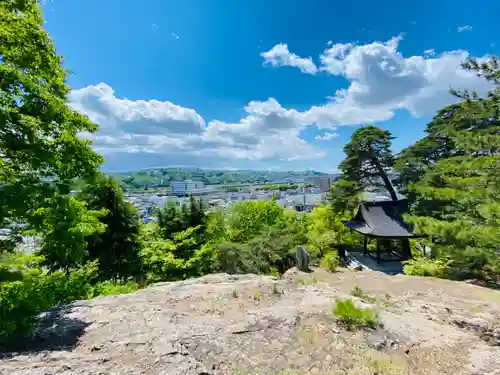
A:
[22,301]
[351,315]
[109,288]
[160,262]
[426,267]
[330,261]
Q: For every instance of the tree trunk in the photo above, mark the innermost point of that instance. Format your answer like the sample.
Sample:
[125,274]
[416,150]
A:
[386,180]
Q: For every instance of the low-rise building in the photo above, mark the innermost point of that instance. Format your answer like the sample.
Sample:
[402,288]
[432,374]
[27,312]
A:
[187,187]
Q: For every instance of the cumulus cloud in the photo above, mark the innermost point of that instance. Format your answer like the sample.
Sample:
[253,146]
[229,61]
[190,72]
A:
[461,29]
[267,132]
[382,79]
[279,55]
[145,117]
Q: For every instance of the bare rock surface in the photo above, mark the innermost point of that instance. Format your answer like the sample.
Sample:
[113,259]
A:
[249,324]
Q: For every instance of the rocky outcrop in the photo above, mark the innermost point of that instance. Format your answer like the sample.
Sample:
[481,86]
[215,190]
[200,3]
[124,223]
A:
[249,324]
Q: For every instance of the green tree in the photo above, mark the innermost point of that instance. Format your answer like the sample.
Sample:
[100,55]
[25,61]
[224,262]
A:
[457,199]
[118,247]
[41,153]
[173,219]
[196,212]
[369,158]
[472,114]
[247,219]
[366,165]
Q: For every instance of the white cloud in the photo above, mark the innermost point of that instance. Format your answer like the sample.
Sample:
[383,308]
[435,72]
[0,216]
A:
[382,79]
[430,52]
[176,36]
[145,117]
[267,132]
[464,28]
[326,137]
[279,55]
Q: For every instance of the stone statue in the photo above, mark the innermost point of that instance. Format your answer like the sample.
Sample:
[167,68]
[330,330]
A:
[302,258]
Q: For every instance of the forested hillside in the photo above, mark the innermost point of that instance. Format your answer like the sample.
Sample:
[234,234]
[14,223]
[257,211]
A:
[92,242]
[164,176]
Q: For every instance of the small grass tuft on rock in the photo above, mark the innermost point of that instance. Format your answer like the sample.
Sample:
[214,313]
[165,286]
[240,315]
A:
[351,315]
[358,292]
[330,261]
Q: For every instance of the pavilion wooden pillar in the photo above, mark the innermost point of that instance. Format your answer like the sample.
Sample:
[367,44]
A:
[406,247]
[365,246]
[378,251]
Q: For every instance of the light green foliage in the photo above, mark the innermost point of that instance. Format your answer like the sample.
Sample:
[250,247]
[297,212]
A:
[330,261]
[351,315]
[160,262]
[253,237]
[426,267]
[13,265]
[307,281]
[42,154]
[22,301]
[274,272]
[326,233]
[64,243]
[247,219]
[109,288]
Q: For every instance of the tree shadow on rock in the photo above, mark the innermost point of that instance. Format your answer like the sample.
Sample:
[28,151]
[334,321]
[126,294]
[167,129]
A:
[55,331]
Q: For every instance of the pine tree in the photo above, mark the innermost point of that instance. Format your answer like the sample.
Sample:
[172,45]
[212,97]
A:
[118,247]
[472,114]
[366,165]
[457,197]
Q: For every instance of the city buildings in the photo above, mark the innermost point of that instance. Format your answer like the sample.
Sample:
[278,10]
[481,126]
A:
[182,188]
[323,182]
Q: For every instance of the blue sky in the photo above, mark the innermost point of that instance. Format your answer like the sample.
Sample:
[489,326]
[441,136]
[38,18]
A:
[262,84]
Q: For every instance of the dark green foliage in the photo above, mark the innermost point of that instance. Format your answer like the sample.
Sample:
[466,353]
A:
[368,159]
[365,168]
[457,196]
[472,115]
[118,247]
[280,187]
[345,195]
[173,219]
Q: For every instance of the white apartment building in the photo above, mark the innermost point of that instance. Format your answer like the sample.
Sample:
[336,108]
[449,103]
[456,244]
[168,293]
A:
[186,187]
